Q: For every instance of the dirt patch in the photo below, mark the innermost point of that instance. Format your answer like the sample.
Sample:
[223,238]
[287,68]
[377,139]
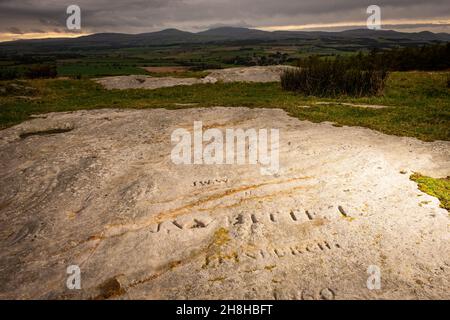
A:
[109,289]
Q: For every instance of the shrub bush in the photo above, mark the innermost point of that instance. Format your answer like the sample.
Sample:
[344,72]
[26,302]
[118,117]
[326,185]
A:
[326,77]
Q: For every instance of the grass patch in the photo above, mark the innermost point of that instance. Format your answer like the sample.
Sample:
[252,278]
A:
[419,102]
[90,70]
[439,188]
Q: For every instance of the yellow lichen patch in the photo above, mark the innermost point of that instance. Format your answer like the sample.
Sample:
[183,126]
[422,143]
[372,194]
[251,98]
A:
[218,250]
[217,279]
[221,237]
[270,268]
[276,281]
[71,215]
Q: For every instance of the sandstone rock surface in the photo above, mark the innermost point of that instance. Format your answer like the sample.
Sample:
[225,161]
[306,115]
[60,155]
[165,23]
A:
[246,74]
[98,189]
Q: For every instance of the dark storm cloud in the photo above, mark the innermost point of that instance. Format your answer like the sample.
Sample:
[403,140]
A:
[147,15]
[14,30]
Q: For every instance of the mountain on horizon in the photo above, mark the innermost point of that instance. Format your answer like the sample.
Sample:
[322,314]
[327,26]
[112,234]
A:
[221,34]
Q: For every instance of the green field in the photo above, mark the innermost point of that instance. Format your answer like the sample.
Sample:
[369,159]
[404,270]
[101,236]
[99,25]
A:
[420,102]
[97,69]
[130,60]
[439,188]
[126,61]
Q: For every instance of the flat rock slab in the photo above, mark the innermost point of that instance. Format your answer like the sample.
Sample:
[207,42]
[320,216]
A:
[145,82]
[98,189]
[247,74]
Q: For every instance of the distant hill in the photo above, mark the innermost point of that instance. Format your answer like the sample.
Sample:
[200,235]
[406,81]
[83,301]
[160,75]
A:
[217,35]
[232,33]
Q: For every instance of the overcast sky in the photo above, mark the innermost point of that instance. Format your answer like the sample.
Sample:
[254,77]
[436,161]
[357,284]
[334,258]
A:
[28,18]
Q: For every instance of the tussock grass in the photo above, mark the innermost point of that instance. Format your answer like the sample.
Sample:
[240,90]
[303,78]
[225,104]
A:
[331,78]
